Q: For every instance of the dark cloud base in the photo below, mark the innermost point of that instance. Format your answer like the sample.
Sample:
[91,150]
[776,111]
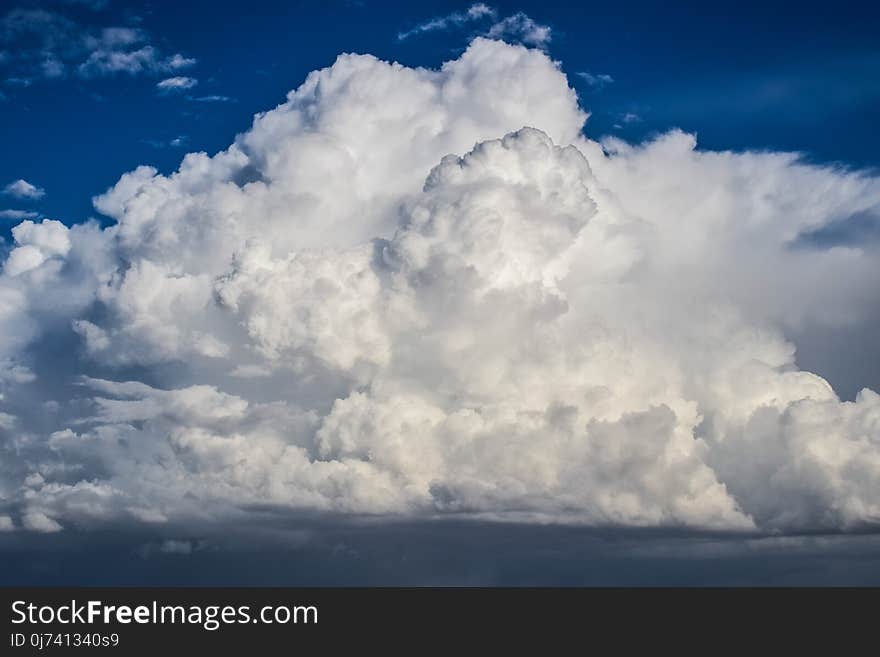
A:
[315,553]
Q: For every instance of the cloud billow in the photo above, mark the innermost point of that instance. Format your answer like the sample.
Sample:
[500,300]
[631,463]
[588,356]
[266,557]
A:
[424,293]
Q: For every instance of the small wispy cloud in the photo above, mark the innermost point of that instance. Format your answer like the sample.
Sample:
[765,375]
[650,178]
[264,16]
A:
[18,214]
[132,62]
[211,99]
[627,118]
[518,27]
[174,142]
[89,4]
[521,27]
[178,61]
[474,12]
[597,80]
[114,37]
[23,189]
[52,67]
[44,45]
[178,83]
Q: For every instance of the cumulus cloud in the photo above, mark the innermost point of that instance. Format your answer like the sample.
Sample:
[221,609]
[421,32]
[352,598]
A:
[424,293]
[24,190]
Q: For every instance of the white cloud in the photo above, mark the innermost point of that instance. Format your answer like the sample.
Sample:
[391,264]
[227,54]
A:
[178,61]
[424,293]
[23,189]
[102,61]
[177,83]
[106,61]
[522,28]
[35,244]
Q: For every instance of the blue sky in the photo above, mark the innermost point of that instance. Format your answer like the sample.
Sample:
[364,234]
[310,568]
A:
[743,75]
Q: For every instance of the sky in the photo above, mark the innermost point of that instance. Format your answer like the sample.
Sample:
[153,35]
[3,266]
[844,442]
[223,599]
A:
[740,75]
[303,291]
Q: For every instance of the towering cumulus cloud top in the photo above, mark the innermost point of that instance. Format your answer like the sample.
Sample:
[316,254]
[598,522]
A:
[423,293]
